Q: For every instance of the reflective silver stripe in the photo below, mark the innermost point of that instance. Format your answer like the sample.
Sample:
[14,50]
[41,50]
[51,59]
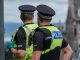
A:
[49,37]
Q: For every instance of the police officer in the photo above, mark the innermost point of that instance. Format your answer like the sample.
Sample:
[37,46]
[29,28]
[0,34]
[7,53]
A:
[20,45]
[48,40]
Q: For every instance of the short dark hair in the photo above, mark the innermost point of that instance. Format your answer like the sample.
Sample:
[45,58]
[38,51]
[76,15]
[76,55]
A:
[39,18]
[28,16]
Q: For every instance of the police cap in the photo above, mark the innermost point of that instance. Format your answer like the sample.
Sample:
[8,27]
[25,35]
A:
[45,11]
[27,9]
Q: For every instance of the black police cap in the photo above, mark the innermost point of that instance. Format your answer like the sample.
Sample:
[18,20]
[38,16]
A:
[27,9]
[45,11]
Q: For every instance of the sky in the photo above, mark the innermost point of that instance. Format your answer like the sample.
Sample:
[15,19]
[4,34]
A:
[11,12]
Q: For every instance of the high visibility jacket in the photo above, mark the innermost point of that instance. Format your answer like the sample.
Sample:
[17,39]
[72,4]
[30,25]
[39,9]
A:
[29,30]
[56,37]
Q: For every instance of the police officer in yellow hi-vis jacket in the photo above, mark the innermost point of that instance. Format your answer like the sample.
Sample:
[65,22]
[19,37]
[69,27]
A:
[48,40]
[21,45]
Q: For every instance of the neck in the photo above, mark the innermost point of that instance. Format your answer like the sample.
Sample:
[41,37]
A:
[43,24]
[27,22]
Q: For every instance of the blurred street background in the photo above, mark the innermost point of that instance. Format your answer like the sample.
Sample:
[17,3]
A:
[67,19]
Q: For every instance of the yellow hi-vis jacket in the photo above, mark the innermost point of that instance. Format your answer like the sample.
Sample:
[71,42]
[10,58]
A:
[56,38]
[29,29]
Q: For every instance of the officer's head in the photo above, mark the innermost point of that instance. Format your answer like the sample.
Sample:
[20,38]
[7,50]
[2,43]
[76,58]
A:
[27,12]
[45,13]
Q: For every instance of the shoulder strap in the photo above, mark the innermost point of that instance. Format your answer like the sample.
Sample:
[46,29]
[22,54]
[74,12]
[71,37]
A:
[30,36]
[43,31]
[47,37]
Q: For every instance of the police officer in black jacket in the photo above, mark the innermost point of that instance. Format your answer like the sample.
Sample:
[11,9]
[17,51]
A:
[48,40]
[19,44]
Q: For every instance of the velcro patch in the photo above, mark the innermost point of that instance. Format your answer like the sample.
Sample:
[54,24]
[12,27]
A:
[57,35]
[19,45]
